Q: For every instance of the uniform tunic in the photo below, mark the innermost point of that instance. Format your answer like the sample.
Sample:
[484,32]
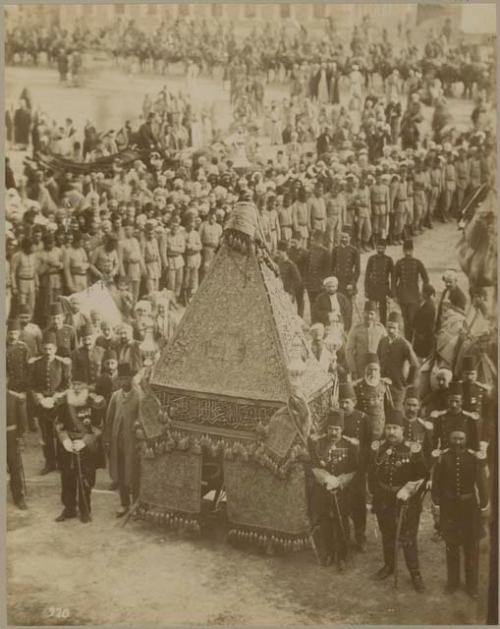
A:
[152,260]
[371,401]
[346,267]
[378,277]
[131,256]
[76,264]
[65,339]
[443,423]
[176,247]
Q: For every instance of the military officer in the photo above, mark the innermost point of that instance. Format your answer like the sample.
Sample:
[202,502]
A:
[357,427]
[65,334]
[87,359]
[416,429]
[49,377]
[334,463]
[396,480]
[373,395]
[405,284]
[378,278]
[380,202]
[477,398]
[460,495]
[17,356]
[443,421]
[78,430]
[346,264]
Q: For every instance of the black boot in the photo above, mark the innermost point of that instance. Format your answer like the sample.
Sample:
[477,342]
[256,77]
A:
[66,515]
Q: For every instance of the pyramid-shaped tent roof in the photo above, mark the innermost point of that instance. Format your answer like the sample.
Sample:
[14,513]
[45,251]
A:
[238,337]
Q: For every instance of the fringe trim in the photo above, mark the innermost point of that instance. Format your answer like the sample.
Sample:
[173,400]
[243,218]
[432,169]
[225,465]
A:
[267,540]
[175,520]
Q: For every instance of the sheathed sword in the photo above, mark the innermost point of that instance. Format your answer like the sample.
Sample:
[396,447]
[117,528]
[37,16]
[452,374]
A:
[338,514]
[402,513]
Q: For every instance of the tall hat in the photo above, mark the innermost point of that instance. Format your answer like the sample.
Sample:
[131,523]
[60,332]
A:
[394,417]
[346,391]
[371,306]
[457,423]
[456,388]
[125,371]
[381,242]
[110,354]
[336,417]
[13,324]
[49,337]
[412,393]
[469,363]
[372,359]
[86,330]
[394,317]
[55,309]
[24,309]
[408,245]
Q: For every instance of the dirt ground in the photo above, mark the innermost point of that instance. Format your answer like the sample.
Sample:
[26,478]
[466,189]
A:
[138,574]
[71,573]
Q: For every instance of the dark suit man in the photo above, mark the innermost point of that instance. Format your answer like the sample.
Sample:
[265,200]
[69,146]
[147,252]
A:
[346,265]
[378,276]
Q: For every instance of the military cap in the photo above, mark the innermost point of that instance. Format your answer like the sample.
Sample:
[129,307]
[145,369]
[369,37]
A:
[372,359]
[370,306]
[110,354]
[469,363]
[336,417]
[23,309]
[346,391]
[394,417]
[457,424]
[125,371]
[411,393]
[49,337]
[408,245]
[394,317]
[13,324]
[86,330]
[55,309]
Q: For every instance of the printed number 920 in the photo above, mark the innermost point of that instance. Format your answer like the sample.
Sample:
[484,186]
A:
[58,612]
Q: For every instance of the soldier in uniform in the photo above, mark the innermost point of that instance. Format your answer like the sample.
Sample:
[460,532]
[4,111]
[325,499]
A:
[363,338]
[317,210]
[460,496]
[346,265]
[334,463]
[15,433]
[419,197]
[335,218]
[396,479]
[373,395]
[24,274]
[380,203]
[358,428]
[416,429]
[450,185]
[65,334]
[210,235]
[399,205]
[30,332]
[176,248]
[443,420]
[17,356]
[285,219]
[78,430]
[87,359]
[152,259]
[378,278]
[436,180]
[363,215]
[316,264]
[405,283]
[300,219]
[76,265]
[476,397]
[131,260]
[193,260]
[49,377]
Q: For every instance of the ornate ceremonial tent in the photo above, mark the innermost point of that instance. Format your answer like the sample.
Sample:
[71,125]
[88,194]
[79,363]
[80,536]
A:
[237,380]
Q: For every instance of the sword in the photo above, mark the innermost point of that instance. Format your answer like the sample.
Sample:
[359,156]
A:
[339,519]
[402,513]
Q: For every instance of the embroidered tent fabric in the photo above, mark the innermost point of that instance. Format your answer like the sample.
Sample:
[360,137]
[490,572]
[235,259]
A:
[224,384]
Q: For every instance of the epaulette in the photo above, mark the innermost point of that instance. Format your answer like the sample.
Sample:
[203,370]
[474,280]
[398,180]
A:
[486,387]
[64,359]
[427,425]
[352,440]
[34,359]
[375,445]
[471,414]
[480,455]
[435,454]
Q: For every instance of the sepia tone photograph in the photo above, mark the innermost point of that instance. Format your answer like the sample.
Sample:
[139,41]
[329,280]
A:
[250,289]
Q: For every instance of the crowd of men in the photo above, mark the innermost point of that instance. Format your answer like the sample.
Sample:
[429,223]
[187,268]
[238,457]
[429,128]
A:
[149,230]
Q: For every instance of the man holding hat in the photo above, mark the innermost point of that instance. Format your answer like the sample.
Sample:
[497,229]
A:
[346,264]
[396,481]
[363,338]
[119,438]
[357,427]
[65,335]
[398,361]
[334,463]
[405,285]
[461,498]
[332,307]
[444,420]
[378,277]
[50,376]
[78,430]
